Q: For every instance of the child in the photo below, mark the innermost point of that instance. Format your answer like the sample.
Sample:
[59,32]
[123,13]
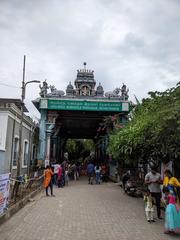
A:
[149,209]
[172,215]
[97,170]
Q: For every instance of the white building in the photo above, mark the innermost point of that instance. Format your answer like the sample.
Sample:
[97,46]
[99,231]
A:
[9,137]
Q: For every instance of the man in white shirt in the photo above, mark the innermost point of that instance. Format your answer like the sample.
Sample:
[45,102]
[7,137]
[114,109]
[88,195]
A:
[153,180]
[56,168]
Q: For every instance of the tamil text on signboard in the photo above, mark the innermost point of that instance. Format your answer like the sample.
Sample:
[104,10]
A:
[85,105]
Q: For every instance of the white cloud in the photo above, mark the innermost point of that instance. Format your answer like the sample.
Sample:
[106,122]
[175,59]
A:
[131,42]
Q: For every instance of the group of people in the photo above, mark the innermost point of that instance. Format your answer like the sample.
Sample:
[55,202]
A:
[99,172]
[59,175]
[168,195]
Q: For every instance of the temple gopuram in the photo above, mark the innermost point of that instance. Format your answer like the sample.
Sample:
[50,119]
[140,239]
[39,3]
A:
[78,113]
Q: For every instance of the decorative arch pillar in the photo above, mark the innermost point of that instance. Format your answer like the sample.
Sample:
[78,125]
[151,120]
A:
[42,135]
[49,132]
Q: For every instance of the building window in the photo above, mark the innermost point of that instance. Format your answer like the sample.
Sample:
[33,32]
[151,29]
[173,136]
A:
[34,152]
[15,151]
[25,153]
[33,155]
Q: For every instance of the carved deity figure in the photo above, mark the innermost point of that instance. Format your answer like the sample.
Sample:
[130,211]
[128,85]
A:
[124,91]
[85,91]
[43,89]
[53,89]
[54,92]
[116,91]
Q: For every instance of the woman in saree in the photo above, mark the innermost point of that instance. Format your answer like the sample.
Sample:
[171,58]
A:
[48,173]
[172,184]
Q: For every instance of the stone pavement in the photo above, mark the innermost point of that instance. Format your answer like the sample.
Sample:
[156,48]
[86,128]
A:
[83,212]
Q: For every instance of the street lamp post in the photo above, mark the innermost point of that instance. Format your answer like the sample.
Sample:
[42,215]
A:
[24,84]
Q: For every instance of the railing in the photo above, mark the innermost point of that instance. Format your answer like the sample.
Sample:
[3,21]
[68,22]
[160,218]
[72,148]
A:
[26,186]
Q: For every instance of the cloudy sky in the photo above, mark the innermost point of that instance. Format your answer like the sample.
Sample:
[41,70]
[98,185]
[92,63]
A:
[123,41]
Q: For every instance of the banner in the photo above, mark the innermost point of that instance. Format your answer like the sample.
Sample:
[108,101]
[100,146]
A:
[4,192]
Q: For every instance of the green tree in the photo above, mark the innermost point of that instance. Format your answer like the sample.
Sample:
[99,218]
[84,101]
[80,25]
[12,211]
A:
[79,148]
[154,130]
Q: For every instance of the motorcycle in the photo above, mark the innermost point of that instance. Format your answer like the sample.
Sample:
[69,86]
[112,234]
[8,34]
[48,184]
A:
[131,188]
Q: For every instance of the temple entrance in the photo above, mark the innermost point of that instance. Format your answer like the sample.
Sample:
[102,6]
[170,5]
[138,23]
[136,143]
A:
[79,150]
[81,113]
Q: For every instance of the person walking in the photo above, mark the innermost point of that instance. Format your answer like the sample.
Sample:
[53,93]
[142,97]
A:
[56,168]
[153,180]
[48,174]
[78,170]
[90,172]
[97,170]
[74,171]
[104,172]
[67,175]
[60,172]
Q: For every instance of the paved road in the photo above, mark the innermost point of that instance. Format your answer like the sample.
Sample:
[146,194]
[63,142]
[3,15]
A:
[83,212]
